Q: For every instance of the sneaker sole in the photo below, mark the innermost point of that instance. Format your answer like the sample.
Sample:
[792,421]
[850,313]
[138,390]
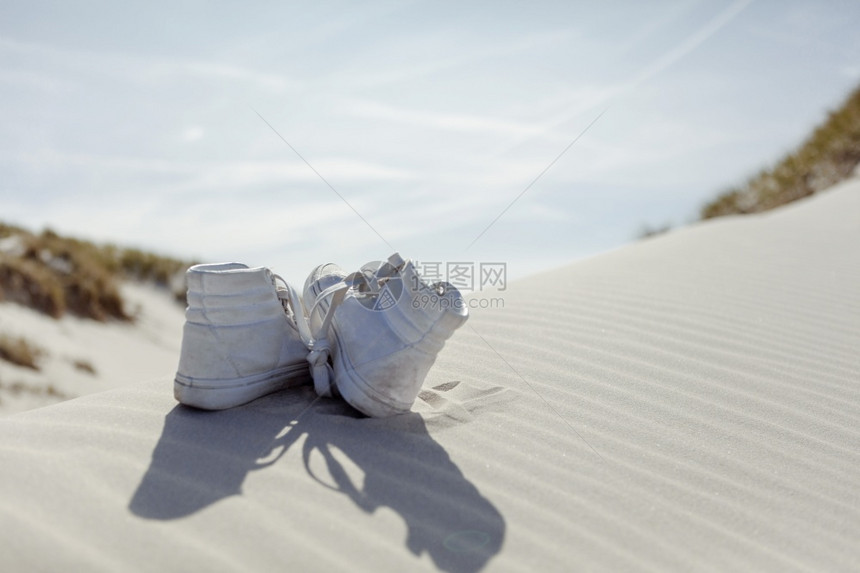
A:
[222,394]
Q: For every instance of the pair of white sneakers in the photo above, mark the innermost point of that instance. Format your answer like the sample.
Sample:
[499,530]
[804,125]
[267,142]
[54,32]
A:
[370,336]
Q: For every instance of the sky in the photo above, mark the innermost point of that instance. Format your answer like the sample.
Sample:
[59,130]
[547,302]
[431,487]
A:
[288,134]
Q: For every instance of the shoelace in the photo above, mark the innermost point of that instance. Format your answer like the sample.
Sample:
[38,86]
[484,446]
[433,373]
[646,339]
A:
[317,342]
[293,307]
[320,348]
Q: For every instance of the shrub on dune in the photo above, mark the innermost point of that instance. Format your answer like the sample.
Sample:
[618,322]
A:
[827,157]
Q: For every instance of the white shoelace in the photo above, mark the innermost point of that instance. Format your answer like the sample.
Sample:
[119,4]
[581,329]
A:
[288,294]
[317,342]
[320,348]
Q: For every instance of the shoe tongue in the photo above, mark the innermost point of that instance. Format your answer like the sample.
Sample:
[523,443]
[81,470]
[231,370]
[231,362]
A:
[396,260]
[374,272]
[385,268]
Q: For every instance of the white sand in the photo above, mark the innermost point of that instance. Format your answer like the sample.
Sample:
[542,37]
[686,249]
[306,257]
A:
[688,403]
[119,353]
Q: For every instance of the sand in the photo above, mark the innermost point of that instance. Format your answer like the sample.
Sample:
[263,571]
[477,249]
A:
[687,403]
[83,356]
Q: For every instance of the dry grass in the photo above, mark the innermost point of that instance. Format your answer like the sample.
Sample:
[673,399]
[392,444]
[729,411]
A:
[84,366]
[20,352]
[828,156]
[31,284]
[18,388]
[56,274]
[647,231]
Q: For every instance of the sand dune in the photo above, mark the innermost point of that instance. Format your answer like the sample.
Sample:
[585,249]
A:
[76,359]
[690,402]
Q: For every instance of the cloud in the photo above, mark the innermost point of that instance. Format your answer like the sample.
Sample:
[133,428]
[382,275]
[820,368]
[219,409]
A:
[689,44]
[148,68]
[193,133]
[208,174]
[163,70]
[433,52]
[48,158]
[850,71]
[605,96]
[428,125]
[440,120]
[32,79]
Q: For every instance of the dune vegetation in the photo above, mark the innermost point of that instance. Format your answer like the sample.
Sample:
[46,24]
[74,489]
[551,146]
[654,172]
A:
[20,352]
[57,275]
[829,155]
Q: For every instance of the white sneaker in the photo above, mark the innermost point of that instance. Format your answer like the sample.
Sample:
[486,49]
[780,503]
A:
[382,327]
[241,339]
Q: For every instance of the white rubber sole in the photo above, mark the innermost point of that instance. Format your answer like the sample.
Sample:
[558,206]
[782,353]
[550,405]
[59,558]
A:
[223,394]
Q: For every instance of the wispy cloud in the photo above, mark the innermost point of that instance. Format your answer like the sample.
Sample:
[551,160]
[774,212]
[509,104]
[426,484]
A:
[433,52]
[440,120]
[212,176]
[193,133]
[147,68]
[689,44]
[606,95]
[32,79]
[428,124]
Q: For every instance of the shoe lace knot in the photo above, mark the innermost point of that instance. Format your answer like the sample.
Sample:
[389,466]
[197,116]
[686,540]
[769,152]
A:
[364,283]
[320,368]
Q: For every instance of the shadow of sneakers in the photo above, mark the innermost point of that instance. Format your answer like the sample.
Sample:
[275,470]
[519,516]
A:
[203,457]
[407,471]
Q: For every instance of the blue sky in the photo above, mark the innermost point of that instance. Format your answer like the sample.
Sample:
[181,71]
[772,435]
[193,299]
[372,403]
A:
[138,124]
